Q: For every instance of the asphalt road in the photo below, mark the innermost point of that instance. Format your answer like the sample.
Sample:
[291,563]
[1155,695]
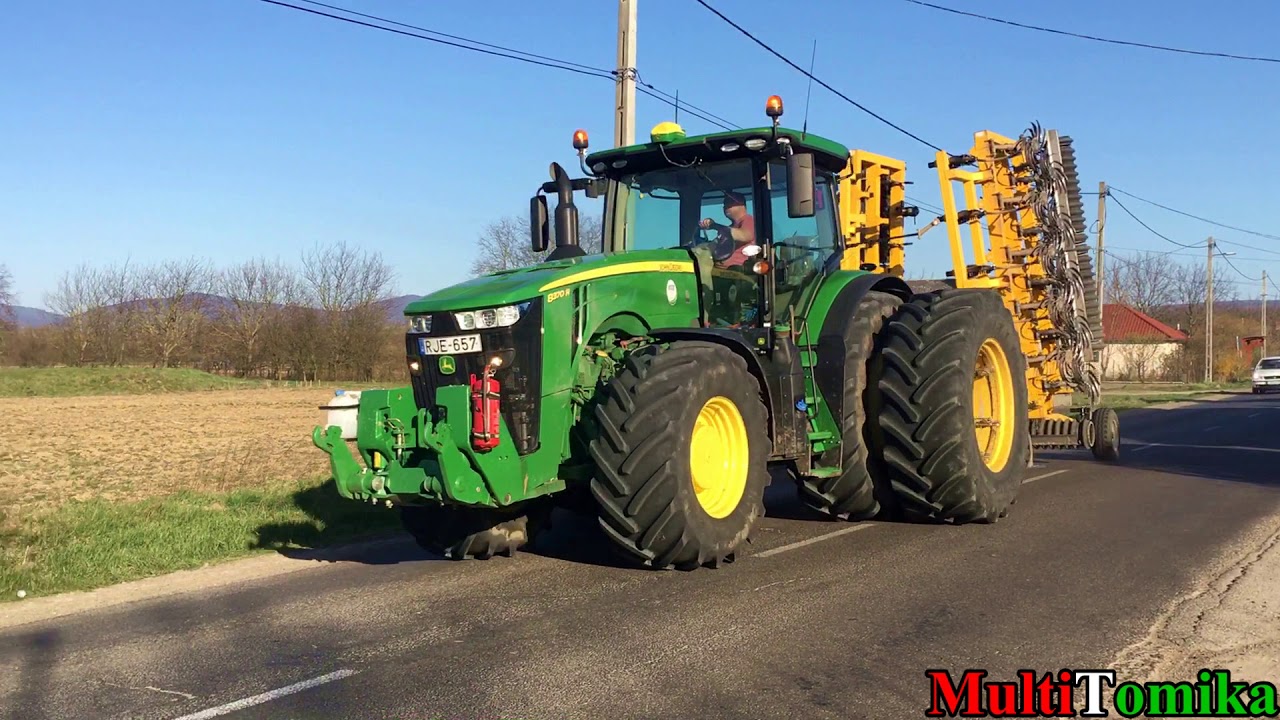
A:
[843,626]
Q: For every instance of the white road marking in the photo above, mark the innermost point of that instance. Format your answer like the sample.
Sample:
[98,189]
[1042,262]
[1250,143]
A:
[1041,477]
[798,545]
[1253,415]
[1140,449]
[812,540]
[267,696]
[855,528]
[1212,427]
[1213,447]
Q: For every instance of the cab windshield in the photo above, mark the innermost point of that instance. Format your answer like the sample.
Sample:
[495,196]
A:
[1269,364]
[664,206]
[668,207]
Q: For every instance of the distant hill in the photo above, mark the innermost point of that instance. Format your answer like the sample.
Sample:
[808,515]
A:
[34,317]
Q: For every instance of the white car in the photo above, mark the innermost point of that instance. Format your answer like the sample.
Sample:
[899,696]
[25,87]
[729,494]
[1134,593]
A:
[1266,376]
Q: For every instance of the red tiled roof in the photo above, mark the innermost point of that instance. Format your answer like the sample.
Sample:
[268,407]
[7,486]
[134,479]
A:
[1121,324]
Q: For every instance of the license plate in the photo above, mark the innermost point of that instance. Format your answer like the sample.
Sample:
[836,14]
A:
[449,345]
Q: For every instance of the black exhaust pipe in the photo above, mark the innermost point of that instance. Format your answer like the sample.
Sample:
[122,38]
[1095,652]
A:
[566,218]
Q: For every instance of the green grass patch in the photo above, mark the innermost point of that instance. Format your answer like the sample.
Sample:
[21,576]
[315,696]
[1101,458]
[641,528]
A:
[66,381]
[94,543]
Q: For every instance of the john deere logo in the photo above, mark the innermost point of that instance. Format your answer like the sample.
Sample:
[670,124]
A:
[447,365]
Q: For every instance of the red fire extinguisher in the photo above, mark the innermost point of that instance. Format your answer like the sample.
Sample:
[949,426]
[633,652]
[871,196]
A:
[485,410]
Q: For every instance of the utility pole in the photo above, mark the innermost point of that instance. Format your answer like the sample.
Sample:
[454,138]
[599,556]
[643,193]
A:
[1264,313]
[1208,319]
[624,121]
[1102,257]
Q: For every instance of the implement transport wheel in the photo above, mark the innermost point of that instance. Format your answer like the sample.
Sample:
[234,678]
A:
[1106,435]
[852,495]
[460,532]
[954,394]
[681,447]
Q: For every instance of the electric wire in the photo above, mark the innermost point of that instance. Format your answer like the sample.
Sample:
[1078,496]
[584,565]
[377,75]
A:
[810,75]
[494,50]
[1268,236]
[1185,51]
[1160,235]
[1226,257]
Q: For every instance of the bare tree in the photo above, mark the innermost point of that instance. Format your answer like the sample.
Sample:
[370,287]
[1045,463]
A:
[80,298]
[173,307]
[8,320]
[349,286]
[1145,283]
[505,244]
[256,292]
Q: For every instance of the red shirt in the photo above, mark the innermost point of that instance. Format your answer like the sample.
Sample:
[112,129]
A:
[738,257]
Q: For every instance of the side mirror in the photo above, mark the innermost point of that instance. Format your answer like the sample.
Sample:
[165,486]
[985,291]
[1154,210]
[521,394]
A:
[538,223]
[800,180]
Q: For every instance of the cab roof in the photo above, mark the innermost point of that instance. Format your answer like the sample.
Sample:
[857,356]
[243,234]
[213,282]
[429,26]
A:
[828,154]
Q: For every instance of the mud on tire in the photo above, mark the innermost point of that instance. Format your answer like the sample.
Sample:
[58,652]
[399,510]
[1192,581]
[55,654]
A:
[457,533]
[927,382]
[642,432]
[855,493]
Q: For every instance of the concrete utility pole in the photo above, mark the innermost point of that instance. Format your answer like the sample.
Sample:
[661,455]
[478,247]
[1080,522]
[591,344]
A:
[1264,313]
[624,121]
[1102,257]
[1208,320]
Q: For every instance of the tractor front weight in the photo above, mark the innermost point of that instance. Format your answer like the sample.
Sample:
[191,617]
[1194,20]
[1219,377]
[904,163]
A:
[409,457]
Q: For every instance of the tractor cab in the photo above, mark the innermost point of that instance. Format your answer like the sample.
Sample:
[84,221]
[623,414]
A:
[755,208]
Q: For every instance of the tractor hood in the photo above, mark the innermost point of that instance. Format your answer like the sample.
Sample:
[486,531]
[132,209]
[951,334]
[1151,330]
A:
[511,286]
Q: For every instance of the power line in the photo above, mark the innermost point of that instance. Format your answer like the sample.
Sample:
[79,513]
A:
[1226,257]
[438,40]
[1094,37]
[1149,228]
[456,37]
[810,75]
[685,104]
[1183,253]
[1197,217]
[495,51]
[1250,247]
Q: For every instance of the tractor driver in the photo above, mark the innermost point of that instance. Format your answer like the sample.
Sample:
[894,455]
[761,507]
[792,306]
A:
[741,227]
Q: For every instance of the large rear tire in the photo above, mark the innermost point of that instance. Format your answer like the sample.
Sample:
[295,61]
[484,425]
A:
[853,494]
[954,391]
[681,445]
[458,532]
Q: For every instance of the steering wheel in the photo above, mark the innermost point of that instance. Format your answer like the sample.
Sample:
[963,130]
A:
[721,248]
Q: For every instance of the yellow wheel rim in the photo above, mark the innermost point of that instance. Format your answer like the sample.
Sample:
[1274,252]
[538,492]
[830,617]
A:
[718,457]
[993,411]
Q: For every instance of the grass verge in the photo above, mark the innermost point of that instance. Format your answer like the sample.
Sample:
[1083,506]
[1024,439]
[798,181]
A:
[95,543]
[67,381]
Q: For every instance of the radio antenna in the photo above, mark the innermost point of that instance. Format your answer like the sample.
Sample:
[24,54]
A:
[677,120]
[808,93]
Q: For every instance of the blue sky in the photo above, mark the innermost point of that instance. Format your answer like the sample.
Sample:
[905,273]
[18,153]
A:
[148,129]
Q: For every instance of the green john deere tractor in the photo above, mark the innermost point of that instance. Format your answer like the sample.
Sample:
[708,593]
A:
[656,383]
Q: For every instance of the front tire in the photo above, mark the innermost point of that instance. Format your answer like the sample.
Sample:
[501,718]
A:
[460,532]
[681,446]
[954,393]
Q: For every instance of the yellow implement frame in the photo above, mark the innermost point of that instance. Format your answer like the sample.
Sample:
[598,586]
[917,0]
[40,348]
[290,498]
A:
[993,202]
[872,194]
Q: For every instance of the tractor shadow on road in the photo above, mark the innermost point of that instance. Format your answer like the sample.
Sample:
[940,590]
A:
[335,528]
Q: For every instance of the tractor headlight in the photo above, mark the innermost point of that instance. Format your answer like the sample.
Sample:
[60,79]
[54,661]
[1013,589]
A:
[504,316]
[420,324]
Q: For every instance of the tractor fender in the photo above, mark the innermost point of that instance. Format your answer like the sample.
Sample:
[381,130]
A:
[734,342]
[829,373]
